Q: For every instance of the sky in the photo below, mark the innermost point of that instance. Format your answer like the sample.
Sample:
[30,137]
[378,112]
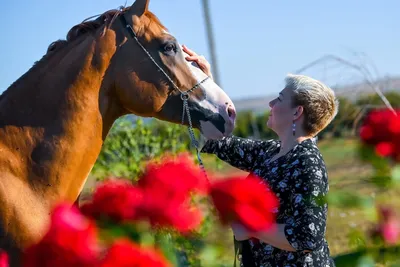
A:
[257,43]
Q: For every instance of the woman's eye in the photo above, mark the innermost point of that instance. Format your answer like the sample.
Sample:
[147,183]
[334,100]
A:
[169,47]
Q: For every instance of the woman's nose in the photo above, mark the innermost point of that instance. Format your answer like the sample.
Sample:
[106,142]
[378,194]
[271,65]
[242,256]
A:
[271,103]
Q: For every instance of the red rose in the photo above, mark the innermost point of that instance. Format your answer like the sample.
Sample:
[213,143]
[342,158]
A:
[116,199]
[388,227]
[246,201]
[167,188]
[381,129]
[384,149]
[124,253]
[390,231]
[161,211]
[70,241]
[175,175]
[376,126]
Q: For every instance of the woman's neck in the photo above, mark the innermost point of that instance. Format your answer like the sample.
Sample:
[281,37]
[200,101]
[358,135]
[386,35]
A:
[288,142]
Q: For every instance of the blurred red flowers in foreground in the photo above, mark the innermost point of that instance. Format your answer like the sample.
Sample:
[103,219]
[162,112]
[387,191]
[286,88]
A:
[70,241]
[162,197]
[124,253]
[115,199]
[381,129]
[247,201]
[388,227]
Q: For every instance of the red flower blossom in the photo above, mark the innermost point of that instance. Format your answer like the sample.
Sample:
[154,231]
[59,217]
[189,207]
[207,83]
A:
[70,241]
[162,196]
[388,227]
[4,260]
[391,231]
[366,133]
[384,149]
[247,201]
[116,199]
[381,129]
[161,211]
[167,188]
[176,176]
[124,253]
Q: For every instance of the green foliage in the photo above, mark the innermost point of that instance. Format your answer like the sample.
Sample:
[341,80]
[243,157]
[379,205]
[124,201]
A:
[249,124]
[373,99]
[344,120]
[130,144]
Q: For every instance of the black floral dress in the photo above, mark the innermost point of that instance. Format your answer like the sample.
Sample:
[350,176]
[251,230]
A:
[299,179]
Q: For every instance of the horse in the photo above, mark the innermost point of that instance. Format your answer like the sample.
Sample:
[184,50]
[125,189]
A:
[55,117]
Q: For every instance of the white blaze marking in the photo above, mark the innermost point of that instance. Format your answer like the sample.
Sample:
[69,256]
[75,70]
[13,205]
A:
[215,97]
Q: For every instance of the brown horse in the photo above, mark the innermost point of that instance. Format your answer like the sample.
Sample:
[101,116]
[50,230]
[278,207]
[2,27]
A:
[54,119]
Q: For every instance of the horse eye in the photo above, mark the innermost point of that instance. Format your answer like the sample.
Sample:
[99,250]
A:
[169,47]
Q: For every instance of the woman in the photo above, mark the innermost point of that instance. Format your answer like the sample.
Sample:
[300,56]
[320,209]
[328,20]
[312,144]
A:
[293,168]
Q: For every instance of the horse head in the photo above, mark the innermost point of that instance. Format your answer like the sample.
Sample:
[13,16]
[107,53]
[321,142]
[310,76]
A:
[151,76]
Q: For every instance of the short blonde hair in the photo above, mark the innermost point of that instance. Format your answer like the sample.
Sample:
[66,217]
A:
[318,100]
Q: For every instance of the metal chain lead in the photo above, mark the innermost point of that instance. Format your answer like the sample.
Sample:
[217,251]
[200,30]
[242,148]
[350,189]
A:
[195,143]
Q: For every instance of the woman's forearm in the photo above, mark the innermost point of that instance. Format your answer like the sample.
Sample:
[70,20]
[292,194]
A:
[239,152]
[275,237]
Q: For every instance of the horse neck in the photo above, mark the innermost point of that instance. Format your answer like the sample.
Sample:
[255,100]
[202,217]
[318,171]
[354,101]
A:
[59,116]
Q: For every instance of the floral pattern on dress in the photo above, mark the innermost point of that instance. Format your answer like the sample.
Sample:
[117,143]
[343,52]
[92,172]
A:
[300,181]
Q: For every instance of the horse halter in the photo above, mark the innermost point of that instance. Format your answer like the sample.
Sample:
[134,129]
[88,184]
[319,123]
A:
[184,94]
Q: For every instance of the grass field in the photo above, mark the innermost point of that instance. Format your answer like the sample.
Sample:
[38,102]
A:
[346,173]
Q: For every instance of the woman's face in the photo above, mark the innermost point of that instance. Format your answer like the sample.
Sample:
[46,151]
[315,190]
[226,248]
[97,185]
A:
[282,112]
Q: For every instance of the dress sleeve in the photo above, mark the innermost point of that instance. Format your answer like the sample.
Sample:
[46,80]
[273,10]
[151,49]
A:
[239,152]
[306,231]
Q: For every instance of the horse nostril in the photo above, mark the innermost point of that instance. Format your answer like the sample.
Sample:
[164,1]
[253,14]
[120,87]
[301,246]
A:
[231,113]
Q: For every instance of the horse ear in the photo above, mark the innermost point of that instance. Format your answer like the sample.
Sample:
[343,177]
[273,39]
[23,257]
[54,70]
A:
[139,7]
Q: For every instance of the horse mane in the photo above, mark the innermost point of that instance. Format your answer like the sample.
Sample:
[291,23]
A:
[88,26]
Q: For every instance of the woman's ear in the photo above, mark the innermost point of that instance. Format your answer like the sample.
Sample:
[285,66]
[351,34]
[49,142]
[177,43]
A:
[298,112]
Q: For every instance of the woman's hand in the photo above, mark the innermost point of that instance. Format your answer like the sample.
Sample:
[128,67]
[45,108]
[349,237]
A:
[240,232]
[200,60]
